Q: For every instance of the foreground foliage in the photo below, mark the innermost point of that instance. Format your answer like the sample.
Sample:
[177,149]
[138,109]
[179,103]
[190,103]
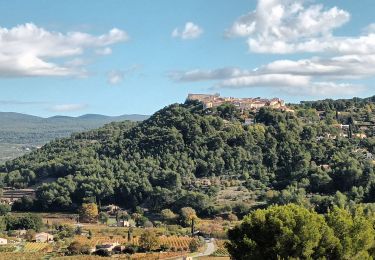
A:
[294,232]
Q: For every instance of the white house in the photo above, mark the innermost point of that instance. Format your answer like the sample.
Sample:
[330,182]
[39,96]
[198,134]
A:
[123,223]
[3,241]
[108,246]
[43,237]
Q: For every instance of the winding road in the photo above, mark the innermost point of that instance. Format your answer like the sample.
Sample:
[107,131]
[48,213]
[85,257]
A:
[210,249]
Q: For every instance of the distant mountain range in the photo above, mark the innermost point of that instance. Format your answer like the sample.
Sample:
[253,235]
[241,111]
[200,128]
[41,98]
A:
[20,133]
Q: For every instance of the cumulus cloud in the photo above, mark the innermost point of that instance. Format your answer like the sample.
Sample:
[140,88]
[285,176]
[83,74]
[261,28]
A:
[287,26]
[191,31]
[311,77]
[68,107]
[292,84]
[296,26]
[28,50]
[346,66]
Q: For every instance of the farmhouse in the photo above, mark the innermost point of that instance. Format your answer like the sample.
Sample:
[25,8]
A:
[123,223]
[3,241]
[43,237]
[112,209]
[107,246]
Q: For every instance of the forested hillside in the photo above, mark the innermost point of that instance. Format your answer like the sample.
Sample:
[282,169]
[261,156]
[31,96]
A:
[20,133]
[307,157]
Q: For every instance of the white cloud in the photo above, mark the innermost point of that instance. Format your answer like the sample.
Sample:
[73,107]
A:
[68,107]
[271,80]
[340,45]
[287,26]
[202,75]
[324,88]
[292,84]
[191,31]
[76,62]
[346,66]
[369,29]
[116,77]
[316,77]
[296,26]
[28,50]
[104,51]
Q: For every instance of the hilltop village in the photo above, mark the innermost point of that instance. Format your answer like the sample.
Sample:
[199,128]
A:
[243,104]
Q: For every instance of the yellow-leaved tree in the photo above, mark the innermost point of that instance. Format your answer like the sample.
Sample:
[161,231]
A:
[89,212]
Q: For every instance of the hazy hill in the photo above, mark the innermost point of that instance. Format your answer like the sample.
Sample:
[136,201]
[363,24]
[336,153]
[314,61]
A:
[21,132]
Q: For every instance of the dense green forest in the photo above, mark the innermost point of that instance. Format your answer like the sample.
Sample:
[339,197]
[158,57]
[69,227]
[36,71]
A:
[305,157]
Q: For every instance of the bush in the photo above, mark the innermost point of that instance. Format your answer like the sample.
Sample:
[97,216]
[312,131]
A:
[102,252]
[165,247]
[194,245]
[131,249]
[7,249]
[76,248]
[149,240]
[4,209]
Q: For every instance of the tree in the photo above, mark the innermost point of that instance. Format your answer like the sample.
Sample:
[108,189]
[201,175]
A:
[187,215]
[354,230]
[27,221]
[64,231]
[75,248]
[4,209]
[78,230]
[168,215]
[284,232]
[228,111]
[89,212]
[232,217]
[103,217]
[130,234]
[149,240]
[194,245]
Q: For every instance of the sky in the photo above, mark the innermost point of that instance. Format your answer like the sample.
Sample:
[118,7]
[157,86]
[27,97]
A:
[116,57]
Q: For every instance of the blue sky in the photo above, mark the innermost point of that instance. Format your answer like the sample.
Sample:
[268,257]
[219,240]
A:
[121,57]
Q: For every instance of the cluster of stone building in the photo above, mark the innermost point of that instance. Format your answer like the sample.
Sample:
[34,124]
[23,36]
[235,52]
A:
[244,104]
[41,237]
